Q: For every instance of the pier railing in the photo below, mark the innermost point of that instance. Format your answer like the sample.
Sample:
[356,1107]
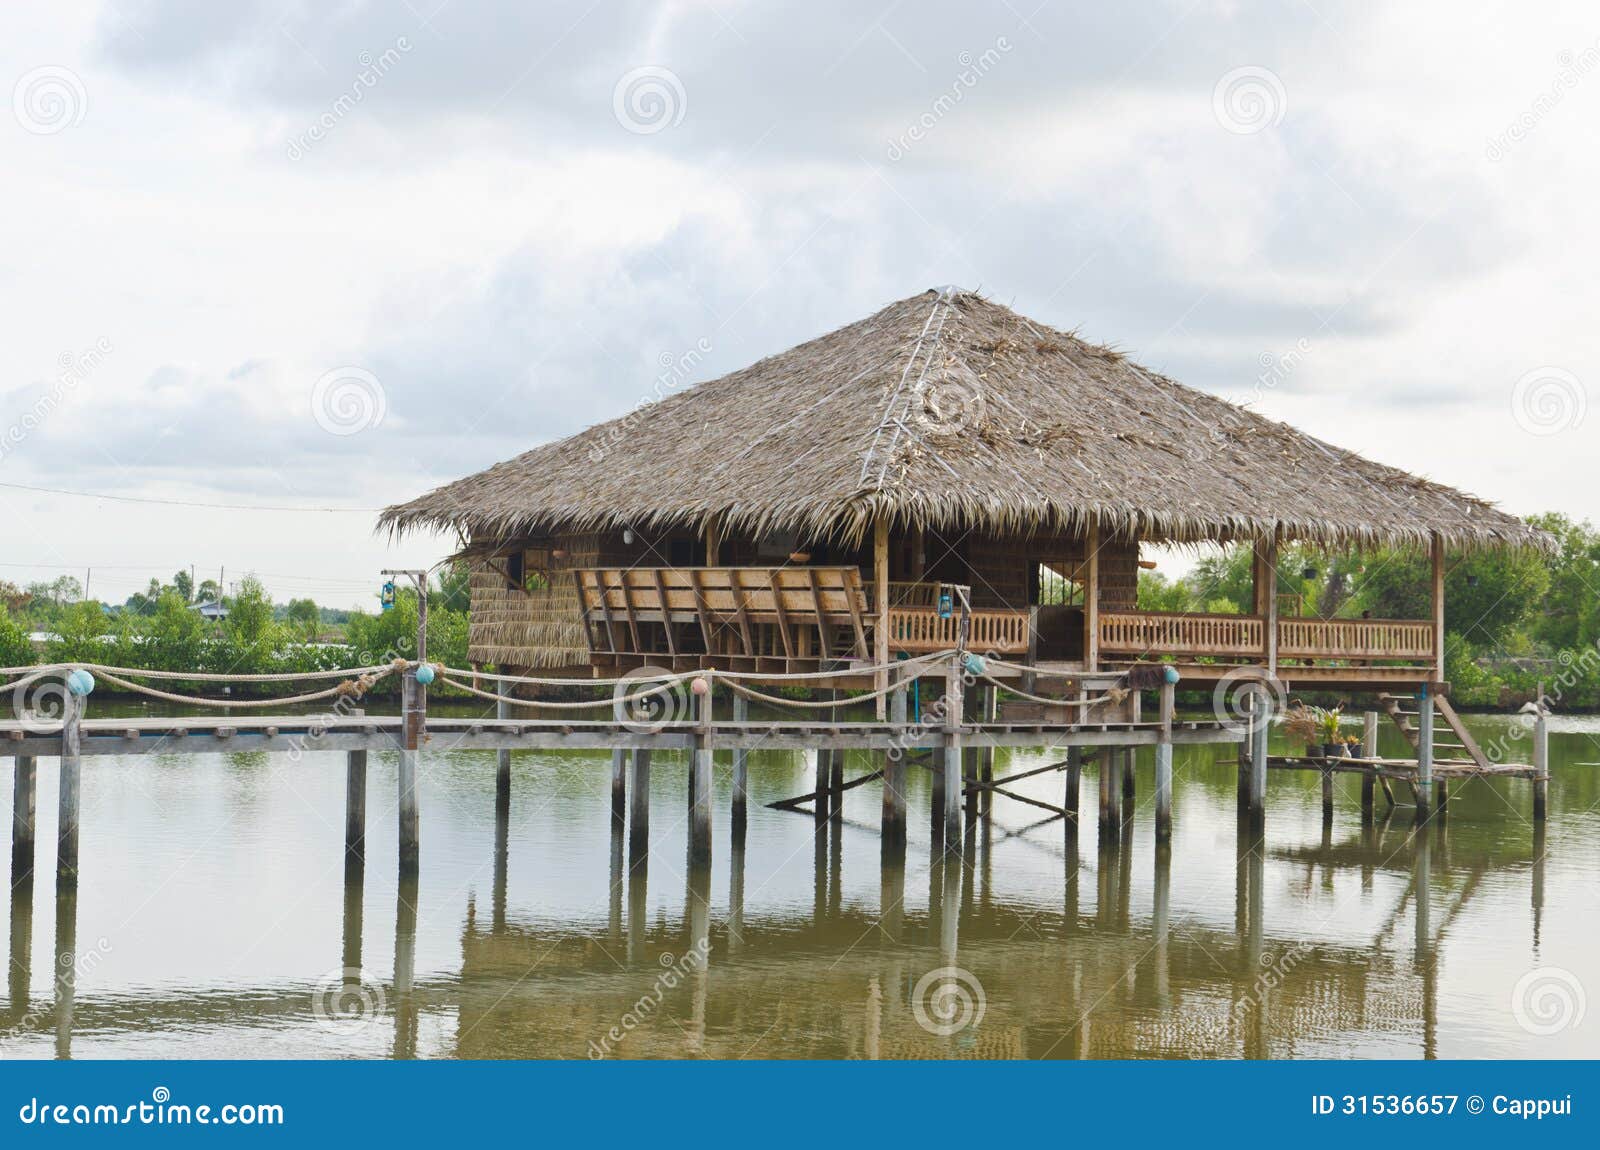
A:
[1244,636]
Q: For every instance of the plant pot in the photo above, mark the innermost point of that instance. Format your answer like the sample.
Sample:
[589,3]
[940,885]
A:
[1333,750]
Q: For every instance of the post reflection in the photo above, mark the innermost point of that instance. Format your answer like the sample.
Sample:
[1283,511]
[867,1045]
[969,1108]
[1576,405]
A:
[405,967]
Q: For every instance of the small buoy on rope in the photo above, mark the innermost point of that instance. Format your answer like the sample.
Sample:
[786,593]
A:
[1170,674]
[699,686]
[425,674]
[80,682]
[974,664]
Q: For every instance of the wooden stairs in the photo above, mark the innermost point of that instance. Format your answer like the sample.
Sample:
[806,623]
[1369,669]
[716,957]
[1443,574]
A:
[1451,741]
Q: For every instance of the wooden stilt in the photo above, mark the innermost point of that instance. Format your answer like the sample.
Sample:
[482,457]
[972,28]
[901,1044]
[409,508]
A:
[1109,821]
[1129,791]
[355,804]
[987,711]
[1327,797]
[1369,750]
[1072,800]
[700,812]
[638,809]
[502,770]
[24,816]
[741,770]
[836,787]
[619,785]
[409,811]
[894,781]
[1541,761]
[821,792]
[952,756]
[1424,753]
[68,798]
[1164,764]
[1260,729]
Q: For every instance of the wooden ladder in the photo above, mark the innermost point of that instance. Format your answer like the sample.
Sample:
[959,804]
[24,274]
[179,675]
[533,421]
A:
[1449,734]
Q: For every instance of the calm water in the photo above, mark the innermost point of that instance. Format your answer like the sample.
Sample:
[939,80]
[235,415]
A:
[215,918]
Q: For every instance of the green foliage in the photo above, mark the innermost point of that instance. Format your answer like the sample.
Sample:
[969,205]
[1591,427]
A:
[304,617]
[1158,593]
[249,622]
[15,650]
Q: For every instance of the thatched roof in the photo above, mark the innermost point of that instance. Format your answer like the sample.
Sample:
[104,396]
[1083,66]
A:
[951,411]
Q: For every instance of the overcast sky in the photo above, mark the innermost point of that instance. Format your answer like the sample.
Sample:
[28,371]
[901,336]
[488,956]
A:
[323,255]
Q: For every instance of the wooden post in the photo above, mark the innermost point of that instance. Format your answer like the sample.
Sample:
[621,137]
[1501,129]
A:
[1327,796]
[952,755]
[355,804]
[1108,795]
[1129,790]
[1072,800]
[1369,750]
[894,778]
[700,813]
[1091,599]
[1164,764]
[1438,608]
[880,591]
[502,770]
[988,712]
[1266,596]
[639,808]
[71,777]
[619,784]
[1260,729]
[24,816]
[741,770]
[713,544]
[1424,752]
[1541,761]
[410,740]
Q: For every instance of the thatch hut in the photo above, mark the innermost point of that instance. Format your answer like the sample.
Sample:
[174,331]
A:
[831,503]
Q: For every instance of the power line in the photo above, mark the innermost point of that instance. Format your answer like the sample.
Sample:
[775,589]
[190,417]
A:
[186,502]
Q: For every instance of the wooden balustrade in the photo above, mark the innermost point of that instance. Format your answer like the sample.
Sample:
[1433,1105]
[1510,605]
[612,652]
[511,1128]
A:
[1152,633]
[1224,636]
[917,630]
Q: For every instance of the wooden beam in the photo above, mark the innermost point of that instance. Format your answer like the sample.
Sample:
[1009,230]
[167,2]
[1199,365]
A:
[822,616]
[666,613]
[627,606]
[1091,598]
[784,631]
[706,629]
[852,585]
[713,544]
[880,591]
[736,582]
[1438,608]
[1267,598]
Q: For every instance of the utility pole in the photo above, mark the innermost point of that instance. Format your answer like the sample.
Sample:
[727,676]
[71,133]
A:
[414,712]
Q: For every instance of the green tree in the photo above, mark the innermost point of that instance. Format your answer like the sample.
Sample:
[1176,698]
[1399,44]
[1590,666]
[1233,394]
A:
[183,584]
[1158,593]
[249,623]
[1487,596]
[15,650]
[1569,615]
[304,617]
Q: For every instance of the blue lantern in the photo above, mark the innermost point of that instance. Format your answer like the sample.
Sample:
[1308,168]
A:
[386,597]
[425,674]
[945,609]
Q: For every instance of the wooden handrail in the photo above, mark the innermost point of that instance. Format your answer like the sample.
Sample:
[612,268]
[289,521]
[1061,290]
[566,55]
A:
[1191,633]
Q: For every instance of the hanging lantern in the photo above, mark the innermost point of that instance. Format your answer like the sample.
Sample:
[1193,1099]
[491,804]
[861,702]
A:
[386,596]
[946,609]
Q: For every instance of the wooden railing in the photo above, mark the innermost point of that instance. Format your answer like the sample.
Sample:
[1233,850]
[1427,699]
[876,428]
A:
[1152,633]
[1355,638]
[917,630]
[1223,636]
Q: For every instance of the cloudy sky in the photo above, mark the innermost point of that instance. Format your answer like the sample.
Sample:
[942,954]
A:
[327,255]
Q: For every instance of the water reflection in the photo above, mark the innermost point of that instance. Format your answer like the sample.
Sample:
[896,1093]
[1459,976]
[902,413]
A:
[1339,933]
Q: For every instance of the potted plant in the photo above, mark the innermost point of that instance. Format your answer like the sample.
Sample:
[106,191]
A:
[1328,728]
[1319,727]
